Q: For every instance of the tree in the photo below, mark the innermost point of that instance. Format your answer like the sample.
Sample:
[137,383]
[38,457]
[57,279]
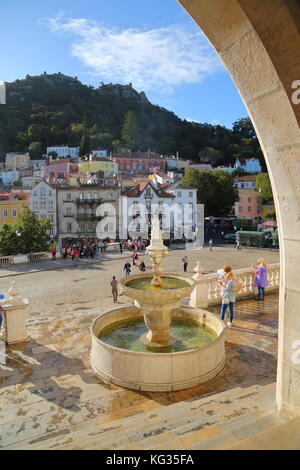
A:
[130,130]
[210,155]
[85,145]
[28,234]
[35,150]
[214,189]
[264,186]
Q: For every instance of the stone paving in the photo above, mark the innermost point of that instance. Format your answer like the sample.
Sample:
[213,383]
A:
[48,388]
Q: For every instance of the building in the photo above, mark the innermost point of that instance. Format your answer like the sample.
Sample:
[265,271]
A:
[11,204]
[227,169]
[87,211]
[42,202]
[250,165]
[245,182]
[139,203]
[100,153]
[30,181]
[137,162]
[249,205]
[174,163]
[186,199]
[59,170]
[108,167]
[63,151]
[159,178]
[8,177]
[17,161]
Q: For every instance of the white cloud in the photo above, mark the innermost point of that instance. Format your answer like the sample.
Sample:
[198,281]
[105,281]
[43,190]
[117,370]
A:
[154,59]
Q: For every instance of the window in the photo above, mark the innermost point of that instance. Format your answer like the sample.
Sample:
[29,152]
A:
[241,199]
[240,208]
[5,213]
[50,217]
[14,213]
[179,194]
[69,227]
[68,211]
[190,194]
[69,196]
[50,203]
[249,208]
[43,194]
[249,199]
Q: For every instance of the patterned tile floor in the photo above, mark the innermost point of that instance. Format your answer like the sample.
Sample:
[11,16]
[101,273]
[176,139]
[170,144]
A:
[47,385]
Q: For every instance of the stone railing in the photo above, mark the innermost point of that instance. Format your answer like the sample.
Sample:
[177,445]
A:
[23,259]
[208,291]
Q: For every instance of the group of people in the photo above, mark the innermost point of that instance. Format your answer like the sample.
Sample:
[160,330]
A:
[230,286]
[79,250]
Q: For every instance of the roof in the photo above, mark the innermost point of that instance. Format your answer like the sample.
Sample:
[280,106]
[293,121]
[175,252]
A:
[179,185]
[138,189]
[138,155]
[251,192]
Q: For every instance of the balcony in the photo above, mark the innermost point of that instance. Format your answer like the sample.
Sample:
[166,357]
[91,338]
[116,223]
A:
[89,217]
[89,202]
[68,215]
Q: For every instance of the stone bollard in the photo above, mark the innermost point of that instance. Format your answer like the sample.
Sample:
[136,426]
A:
[199,295]
[13,326]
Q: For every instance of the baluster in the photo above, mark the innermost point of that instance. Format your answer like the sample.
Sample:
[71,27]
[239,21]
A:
[216,290]
[209,292]
[277,277]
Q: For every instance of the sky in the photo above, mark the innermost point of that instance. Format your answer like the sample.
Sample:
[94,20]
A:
[153,44]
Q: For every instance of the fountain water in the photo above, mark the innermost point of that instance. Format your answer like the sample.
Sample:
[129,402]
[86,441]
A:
[124,352]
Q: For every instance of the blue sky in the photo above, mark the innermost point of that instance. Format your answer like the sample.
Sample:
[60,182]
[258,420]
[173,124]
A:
[153,44]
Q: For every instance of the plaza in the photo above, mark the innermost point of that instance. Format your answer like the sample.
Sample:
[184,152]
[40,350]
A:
[51,399]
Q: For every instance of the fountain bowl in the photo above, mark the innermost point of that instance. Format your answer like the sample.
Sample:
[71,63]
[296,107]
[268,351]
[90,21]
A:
[157,304]
[157,371]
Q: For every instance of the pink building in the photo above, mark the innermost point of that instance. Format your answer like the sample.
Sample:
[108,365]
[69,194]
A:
[60,169]
[249,205]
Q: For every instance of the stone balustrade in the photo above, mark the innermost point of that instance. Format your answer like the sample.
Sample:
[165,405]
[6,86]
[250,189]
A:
[208,291]
[23,259]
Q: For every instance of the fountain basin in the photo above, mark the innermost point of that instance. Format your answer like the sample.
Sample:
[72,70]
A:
[157,304]
[157,371]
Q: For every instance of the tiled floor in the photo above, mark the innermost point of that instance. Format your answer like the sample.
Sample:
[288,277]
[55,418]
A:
[48,389]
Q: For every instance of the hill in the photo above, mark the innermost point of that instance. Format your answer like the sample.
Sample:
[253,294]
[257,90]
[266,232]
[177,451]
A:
[56,109]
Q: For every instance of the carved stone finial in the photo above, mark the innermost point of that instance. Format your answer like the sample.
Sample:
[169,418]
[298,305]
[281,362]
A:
[14,294]
[198,270]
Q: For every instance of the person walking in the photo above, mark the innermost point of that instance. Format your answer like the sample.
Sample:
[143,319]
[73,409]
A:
[210,244]
[229,288]
[185,262]
[238,245]
[261,280]
[53,252]
[121,247]
[114,288]
[127,269]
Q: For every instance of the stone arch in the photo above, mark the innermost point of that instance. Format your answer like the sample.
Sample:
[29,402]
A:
[259,43]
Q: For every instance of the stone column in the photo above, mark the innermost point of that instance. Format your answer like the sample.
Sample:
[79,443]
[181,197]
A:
[199,295]
[13,327]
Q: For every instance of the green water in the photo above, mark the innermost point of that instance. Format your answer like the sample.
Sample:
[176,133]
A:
[126,335]
[168,283]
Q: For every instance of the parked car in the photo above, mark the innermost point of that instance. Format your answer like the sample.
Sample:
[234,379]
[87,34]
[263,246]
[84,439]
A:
[229,238]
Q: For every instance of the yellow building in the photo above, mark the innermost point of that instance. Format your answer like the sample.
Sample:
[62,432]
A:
[267,208]
[107,166]
[9,211]
[18,161]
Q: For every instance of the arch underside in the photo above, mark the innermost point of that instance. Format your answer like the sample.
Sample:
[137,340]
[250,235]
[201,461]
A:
[259,44]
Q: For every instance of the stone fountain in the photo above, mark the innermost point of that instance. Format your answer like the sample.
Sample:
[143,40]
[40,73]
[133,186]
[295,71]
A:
[157,360]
